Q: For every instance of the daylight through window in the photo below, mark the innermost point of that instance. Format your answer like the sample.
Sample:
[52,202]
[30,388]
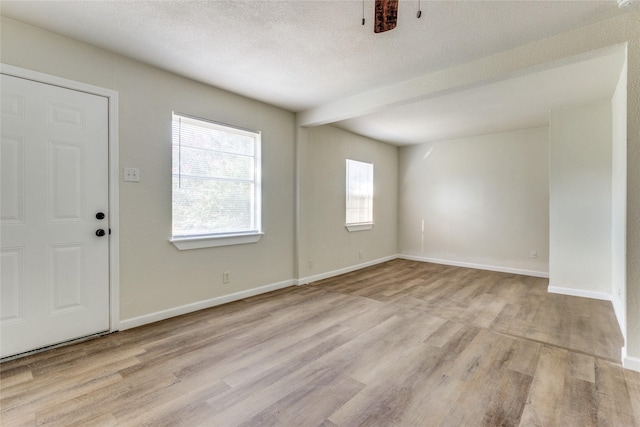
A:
[359,192]
[216,179]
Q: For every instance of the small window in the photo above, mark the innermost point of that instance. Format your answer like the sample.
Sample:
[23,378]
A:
[359,195]
[216,184]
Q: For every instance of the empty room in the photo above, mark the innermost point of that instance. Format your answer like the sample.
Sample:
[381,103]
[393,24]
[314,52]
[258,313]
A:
[320,213]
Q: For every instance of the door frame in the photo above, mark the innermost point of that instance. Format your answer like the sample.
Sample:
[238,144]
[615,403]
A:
[114,173]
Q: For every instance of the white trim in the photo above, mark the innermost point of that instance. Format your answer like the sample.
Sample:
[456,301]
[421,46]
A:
[213,241]
[619,311]
[201,305]
[534,273]
[114,178]
[632,363]
[114,212]
[579,293]
[362,226]
[220,126]
[322,276]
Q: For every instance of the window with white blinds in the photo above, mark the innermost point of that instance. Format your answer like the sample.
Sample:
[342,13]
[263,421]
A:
[216,180]
[359,194]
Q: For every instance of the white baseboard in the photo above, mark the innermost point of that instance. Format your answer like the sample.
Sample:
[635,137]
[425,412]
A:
[322,276]
[579,293]
[533,273]
[620,317]
[632,363]
[200,305]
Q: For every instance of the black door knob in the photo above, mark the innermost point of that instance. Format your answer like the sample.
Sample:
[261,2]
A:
[100,215]
[100,232]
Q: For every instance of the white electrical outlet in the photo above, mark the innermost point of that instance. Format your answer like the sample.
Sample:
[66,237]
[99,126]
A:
[131,175]
[226,277]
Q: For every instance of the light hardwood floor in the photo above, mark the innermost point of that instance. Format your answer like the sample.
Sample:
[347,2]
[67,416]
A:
[398,344]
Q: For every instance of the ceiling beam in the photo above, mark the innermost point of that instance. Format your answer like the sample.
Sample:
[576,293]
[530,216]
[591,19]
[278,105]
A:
[505,65]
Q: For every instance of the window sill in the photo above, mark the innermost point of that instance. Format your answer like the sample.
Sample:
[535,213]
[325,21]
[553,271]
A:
[359,227]
[214,241]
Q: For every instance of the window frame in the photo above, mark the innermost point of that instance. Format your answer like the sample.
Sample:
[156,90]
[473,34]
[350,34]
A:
[362,225]
[197,241]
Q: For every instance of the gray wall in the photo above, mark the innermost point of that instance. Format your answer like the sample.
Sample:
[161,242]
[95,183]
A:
[324,240]
[480,201]
[580,197]
[154,275]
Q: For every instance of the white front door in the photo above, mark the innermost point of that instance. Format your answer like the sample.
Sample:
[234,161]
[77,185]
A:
[54,268]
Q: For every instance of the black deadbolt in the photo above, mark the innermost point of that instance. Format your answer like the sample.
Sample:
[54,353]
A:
[99,215]
[100,232]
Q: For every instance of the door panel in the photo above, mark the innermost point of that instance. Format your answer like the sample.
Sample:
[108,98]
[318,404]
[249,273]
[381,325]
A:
[55,269]
[66,181]
[67,277]
[12,277]
[12,180]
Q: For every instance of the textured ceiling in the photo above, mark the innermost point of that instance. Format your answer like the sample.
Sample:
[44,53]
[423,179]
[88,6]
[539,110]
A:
[300,55]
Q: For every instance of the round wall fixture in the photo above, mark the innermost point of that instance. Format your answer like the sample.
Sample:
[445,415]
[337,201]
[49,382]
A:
[623,4]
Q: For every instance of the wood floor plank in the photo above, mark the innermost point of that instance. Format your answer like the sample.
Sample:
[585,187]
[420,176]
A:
[507,399]
[181,401]
[614,404]
[582,367]
[103,399]
[18,376]
[309,403]
[633,386]
[543,405]
[401,343]
[580,405]
[489,312]
[525,357]
[55,388]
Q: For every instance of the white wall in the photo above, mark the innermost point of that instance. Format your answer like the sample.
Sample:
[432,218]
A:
[154,275]
[324,240]
[619,198]
[580,198]
[481,200]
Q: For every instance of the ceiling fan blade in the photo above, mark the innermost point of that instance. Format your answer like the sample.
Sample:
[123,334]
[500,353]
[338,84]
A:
[386,16]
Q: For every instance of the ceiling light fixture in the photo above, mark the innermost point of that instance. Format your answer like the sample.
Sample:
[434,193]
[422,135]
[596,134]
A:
[386,15]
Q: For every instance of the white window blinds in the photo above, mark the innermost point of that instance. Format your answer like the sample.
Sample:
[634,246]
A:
[359,192]
[216,179]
